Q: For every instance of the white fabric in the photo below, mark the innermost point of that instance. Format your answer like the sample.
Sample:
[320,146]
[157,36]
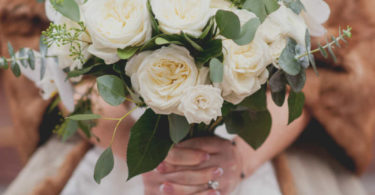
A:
[263,181]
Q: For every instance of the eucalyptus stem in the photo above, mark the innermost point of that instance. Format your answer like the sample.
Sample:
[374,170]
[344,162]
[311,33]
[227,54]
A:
[119,122]
[341,37]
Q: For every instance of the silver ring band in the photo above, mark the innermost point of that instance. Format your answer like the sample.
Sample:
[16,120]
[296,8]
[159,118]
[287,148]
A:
[213,185]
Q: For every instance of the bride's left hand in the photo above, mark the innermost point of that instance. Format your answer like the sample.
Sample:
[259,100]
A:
[191,165]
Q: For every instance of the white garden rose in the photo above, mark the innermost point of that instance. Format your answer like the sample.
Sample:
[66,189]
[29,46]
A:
[201,103]
[280,25]
[245,69]
[220,4]
[188,16]
[244,66]
[162,76]
[115,24]
[315,14]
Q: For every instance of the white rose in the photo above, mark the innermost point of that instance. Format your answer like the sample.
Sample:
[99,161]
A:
[317,12]
[188,16]
[245,69]
[115,24]
[162,76]
[201,103]
[220,4]
[244,66]
[280,25]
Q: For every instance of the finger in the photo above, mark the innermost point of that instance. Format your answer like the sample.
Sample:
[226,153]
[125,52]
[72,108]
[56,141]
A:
[195,177]
[186,157]
[209,192]
[172,188]
[207,144]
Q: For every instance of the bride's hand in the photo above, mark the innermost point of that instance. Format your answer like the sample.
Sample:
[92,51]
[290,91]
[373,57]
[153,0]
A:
[191,165]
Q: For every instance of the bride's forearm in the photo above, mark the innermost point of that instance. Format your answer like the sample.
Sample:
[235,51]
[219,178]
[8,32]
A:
[281,136]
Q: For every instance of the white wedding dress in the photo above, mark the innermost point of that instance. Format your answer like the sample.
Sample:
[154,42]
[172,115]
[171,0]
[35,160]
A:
[262,182]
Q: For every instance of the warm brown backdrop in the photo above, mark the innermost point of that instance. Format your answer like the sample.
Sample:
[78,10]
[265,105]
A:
[341,98]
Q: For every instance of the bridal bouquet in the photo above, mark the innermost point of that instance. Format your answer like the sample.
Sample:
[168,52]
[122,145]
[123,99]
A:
[193,64]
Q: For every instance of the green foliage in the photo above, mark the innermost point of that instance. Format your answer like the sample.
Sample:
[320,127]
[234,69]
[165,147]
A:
[261,8]
[71,127]
[296,102]
[277,84]
[68,8]
[104,165]
[257,101]
[297,82]
[228,23]
[127,53]
[61,35]
[84,117]
[154,22]
[216,70]
[111,89]
[287,60]
[252,127]
[149,143]
[178,127]
[248,31]
[13,63]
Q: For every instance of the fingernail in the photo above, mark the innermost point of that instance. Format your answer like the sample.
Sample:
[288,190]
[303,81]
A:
[217,173]
[167,188]
[214,192]
[161,168]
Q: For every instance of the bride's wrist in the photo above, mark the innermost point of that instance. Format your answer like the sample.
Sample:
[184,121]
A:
[246,162]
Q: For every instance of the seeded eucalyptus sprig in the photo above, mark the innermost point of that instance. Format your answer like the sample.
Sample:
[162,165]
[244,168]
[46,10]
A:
[61,35]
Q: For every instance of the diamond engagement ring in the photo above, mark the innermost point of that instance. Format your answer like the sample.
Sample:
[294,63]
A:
[213,185]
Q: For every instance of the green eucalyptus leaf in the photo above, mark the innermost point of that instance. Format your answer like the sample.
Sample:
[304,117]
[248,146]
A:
[330,51]
[308,50]
[31,59]
[10,50]
[323,51]
[70,129]
[178,127]
[252,127]
[149,143]
[277,81]
[257,7]
[84,117]
[15,68]
[42,67]
[297,82]
[279,97]
[296,102]
[127,53]
[216,70]
[23,54]
[68,8]
[228,24]
[287,60]
[104,165]
[295,5]
[111,89]
[248,32]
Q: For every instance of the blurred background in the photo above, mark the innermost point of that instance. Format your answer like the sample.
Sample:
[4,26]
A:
[21,22]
